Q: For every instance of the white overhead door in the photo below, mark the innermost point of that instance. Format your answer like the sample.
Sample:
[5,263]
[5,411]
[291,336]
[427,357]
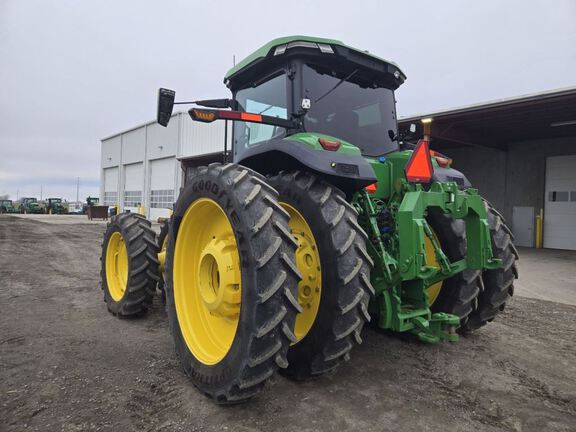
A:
[133,184]
[162,185]
[110,186]
[560,206]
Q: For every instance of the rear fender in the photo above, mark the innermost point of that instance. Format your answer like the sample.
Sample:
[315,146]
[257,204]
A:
[349,172]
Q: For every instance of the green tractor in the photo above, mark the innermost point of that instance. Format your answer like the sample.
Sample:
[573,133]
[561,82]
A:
[30,205]
[55,206]
[90,202]
[318,221]
[7,206]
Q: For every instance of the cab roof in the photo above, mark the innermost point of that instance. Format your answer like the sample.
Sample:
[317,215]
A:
[323,46]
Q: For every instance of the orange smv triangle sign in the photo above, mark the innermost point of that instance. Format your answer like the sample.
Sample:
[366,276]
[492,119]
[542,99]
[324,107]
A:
[419,168]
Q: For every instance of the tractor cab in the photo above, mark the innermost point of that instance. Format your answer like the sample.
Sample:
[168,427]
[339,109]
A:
[7,206]
[307,103]
[327,87]
[31,205]
[54,205]
[92,201]
[339,99]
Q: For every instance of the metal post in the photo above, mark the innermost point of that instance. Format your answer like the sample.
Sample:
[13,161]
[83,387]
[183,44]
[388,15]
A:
[539,228]
[225,158]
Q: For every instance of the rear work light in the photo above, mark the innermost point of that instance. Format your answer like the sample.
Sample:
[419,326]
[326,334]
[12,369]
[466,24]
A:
[324,48]
[419,168]
[441,160]
[329,144]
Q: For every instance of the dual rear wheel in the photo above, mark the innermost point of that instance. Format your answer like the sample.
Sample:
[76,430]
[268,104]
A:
[473,295]
[259,274]
[262,274]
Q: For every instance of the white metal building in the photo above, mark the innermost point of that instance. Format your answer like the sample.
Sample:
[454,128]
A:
[141,165]
[521,154]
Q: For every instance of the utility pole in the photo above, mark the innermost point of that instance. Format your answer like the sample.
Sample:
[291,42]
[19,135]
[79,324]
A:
[41,191]
[77,189]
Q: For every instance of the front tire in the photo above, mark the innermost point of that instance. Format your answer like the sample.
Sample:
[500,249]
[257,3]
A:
[344,290]
[129,270]
[231,282]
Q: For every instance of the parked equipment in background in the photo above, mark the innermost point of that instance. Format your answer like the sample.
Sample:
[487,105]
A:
[30,205]
[319,224]
[93,210]
[7,206]
[90,201]
[55,206]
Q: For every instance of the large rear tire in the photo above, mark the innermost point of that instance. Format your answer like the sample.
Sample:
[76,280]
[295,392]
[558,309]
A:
[231,282]
[129,270]
[457,295]
[499,282]
[336,309]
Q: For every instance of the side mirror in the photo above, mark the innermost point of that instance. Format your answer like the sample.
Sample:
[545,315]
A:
[165,106]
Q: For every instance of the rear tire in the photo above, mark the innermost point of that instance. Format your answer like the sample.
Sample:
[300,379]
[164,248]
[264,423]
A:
[499,282]
[132,296]
[345,274]
[266,308]
[459,294]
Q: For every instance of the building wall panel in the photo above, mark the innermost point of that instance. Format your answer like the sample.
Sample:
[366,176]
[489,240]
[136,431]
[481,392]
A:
[162,142]
[134,145]
[198,138]
[111,152]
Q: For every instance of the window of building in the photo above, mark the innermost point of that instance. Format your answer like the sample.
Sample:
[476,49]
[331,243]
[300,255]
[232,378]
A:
[110,198]
[163,198]
[558,196]
[132,198]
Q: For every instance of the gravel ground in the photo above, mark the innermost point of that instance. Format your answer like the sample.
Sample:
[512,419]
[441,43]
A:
[67,365]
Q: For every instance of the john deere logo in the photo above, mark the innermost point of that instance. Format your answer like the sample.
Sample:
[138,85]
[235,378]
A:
[204,115]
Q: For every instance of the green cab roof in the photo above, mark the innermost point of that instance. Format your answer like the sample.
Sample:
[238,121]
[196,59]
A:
[263,51]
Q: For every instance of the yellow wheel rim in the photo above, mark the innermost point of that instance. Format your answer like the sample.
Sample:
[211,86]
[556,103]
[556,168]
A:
[433,291]
[116,266]
[207,281]
[308,263]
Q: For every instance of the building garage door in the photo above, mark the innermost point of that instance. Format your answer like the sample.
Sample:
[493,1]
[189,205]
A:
[560,207]
[162,185]
[133,183]
[110,186]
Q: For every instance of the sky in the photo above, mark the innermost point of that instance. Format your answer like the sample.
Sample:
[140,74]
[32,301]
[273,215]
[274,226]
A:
[74,72]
